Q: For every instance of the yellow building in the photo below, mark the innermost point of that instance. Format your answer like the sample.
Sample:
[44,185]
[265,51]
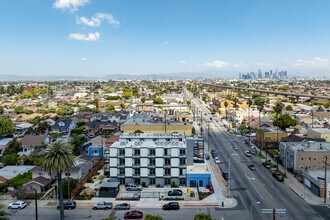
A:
[267,134]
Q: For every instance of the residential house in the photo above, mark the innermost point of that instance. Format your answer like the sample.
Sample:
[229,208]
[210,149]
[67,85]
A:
[319,133]
[40,184]
[64,126]
[268,135]
[30,142]
[21,129]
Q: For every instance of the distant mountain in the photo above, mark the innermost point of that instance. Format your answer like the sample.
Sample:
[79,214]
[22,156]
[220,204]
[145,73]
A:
[210,74]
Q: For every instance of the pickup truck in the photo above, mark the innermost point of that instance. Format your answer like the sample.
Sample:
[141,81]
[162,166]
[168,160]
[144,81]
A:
[103,205]
[133,187]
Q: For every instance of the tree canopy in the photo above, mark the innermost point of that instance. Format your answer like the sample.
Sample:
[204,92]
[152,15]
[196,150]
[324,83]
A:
[6,126]
[285,121]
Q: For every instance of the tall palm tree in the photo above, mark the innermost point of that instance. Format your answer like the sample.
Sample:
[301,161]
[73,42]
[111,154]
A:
[277,108]
[260,102]
[58,158]
[249,103]
[226,105]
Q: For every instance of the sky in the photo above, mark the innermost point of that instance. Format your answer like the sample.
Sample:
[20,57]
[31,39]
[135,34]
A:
[100,37]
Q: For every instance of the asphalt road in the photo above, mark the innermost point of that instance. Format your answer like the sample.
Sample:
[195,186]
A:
[252,186]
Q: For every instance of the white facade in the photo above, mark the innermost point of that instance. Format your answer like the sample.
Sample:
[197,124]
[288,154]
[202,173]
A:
[149,158]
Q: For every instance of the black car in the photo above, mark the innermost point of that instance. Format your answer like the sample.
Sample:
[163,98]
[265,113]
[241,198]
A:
[122,206]
[171,206]
[252,167]
[278,177]
[175,192]
[68,205]
[266,164]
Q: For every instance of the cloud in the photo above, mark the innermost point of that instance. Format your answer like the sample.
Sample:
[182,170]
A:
[97,19]
[183,61]
[264,65]
[71,5]
[83,59]
[312,62]
[236,66]
[165,42]
[90,37]
[217,64]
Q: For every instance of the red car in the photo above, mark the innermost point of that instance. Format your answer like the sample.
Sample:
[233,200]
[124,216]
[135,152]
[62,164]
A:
[133,215]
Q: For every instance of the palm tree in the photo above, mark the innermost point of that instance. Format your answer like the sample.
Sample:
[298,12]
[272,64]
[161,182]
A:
[249,103]
[260,102]
[277,108]
[58,158]
[226,105]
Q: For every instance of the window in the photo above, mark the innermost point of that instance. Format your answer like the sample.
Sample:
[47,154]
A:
[167,162]
[152,162]
[121,161]
[167,152]
[122,171]
[121,152]
[137,161]
[136,152]
[167,171]
[136,171]
[137,181]
[152,181]
[181,172]
[152,171]
[182,152]
[309,158]
[182,162]
[182,182]
[152,152]
[167,181]
[301,158]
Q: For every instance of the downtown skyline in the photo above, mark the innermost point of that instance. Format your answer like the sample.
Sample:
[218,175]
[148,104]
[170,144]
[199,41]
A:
[84,37]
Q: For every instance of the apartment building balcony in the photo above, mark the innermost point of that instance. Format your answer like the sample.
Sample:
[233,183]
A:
[121,175]
[121,165]
[152,155]
[167,175]
[136,165]
[182,165]
[121,155]
[182,156]
[167,156]
[167,165]
[136,156]
[136,175]
[151,175]
[152,165]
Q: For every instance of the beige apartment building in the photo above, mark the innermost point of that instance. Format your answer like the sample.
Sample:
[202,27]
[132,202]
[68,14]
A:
[305,155]
[319,133]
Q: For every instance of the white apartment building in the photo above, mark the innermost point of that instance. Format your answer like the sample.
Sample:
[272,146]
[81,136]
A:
[150,158]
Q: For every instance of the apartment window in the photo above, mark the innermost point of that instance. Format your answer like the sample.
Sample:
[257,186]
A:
[314,158]
[121,161]
[180,172]
[167,162]
[152,152]
[182,182]
[137,181]
[121,152]
[152,181]
[301,158]
[182,161]
[122,171]
[137,161]
[314,166]
[152,161]
[167,152]
[167,171]
[167,181]
[309,158]
[136,152]
[136,171]
[182,152]
[152,171]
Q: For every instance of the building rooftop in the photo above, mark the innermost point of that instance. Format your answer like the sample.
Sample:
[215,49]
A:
[321,130]
[10,172]
[198,168]
[309,146]
[152,119]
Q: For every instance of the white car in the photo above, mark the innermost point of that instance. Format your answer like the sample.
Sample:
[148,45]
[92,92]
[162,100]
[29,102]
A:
[217,160]
[247,153]
[17,205]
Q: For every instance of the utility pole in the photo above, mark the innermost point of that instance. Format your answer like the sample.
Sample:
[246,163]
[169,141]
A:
[325,178]
[201,122]
[229,164]
[165,121]
[36,202]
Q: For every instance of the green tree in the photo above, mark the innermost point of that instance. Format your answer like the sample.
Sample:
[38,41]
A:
[152,217]
[1,109]
[285,121]
[77,141]
[110,108]
[127,95]
[260,102]
[203,217]
[13,147]
[289,108]
[158,101]
[59,158]
[278,107]
[10,159]
[6,126]
[73,184]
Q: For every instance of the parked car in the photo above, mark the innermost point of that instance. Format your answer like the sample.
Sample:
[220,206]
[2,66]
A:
[171,206]
[278,177]
[17,205]
[207,157]
[247,153]
[122,206]
[235,148]
[252,167]
[103,205]
[133,187]
[175,192]
[217,160]
[133,215]
[266,164]
[69,204]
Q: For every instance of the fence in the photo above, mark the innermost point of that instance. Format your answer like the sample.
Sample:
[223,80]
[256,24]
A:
[81,184]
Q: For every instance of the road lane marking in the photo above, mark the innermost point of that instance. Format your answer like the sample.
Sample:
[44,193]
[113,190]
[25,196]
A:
[253,186]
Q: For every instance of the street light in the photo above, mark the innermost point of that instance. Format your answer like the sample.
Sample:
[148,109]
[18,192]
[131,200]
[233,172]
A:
[36,202]
[252,207]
